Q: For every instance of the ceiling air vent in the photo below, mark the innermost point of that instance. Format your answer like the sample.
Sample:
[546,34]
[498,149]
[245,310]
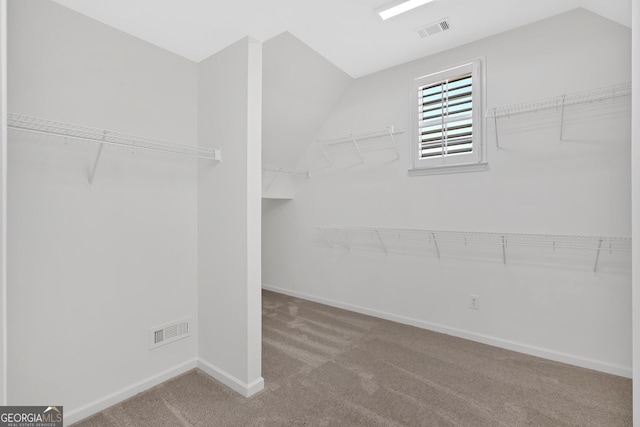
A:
[434,28]
[161,335]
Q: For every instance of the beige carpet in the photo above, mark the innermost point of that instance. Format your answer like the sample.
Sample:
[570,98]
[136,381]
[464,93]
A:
[328,367]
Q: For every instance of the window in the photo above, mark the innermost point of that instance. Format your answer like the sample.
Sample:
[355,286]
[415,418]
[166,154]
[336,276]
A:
[447,120]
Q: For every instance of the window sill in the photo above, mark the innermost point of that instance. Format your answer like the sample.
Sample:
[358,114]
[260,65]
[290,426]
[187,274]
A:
[459,168]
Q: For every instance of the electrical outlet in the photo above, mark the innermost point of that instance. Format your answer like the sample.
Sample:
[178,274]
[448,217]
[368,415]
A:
[474,302]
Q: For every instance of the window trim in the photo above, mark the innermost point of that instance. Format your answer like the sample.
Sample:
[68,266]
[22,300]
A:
[473,161]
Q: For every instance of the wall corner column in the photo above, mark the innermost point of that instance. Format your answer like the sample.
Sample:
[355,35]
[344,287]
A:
[229,217]
[635,196]
[3,203]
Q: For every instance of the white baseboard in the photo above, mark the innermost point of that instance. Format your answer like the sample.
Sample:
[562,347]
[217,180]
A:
[124,394]
[246,390]
[92,408]
[570,359]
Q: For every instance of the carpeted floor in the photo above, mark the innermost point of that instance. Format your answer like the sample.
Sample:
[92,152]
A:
[328,367]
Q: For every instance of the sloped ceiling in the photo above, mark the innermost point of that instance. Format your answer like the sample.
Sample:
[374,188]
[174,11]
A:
[348,33]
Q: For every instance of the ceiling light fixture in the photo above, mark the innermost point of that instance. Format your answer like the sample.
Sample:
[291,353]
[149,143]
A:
[398,7]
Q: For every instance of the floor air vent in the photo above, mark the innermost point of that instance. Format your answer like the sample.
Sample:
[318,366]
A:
[434,28]
[168,333]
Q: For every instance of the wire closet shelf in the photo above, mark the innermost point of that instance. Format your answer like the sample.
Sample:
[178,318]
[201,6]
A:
[104,137]
[352,143]
[359,143]
[286,171]
[342,236]
[557,102]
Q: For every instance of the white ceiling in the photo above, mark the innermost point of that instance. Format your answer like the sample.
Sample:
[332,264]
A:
[346,32]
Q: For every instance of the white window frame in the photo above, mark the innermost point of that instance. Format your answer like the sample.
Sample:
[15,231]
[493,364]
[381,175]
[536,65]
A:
[465,162]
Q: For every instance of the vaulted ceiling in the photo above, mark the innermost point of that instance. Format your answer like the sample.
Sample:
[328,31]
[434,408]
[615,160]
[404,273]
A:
[346,32]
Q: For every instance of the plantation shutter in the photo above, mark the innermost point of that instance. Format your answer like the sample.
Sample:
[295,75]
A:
[445,112]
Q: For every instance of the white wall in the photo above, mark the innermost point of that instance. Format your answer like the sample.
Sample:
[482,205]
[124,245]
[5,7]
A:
[92,269]
[534,184]
[277,185]
[301,88]
[229,217]
[635,165]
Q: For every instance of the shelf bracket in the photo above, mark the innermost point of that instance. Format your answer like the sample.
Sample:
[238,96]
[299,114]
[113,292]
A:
[384,247]
[95,163]
[355,143]
[275,175]
[324,152]
[504,250]
[393,141]
[346,240]
[562,117]
[326,237]
[435,244]
[495,125]
[595,267]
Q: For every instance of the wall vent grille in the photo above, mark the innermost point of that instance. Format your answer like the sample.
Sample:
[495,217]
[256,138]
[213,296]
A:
[165,334]
[434,28]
